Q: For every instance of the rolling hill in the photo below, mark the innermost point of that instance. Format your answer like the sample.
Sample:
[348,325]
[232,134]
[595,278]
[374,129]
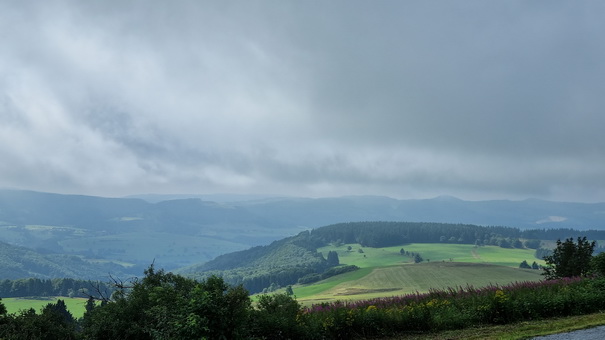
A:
[181,230]
[303,258]
[19,262]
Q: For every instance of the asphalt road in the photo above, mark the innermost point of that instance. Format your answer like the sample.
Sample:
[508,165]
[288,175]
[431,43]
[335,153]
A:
[596,333]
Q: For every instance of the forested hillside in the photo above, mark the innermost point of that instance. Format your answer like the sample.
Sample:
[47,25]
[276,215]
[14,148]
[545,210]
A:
[289,260]
[19,262]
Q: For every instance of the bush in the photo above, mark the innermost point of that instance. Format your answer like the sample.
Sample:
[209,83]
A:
[338,270]
[276,318]
[309,278]
[456,308]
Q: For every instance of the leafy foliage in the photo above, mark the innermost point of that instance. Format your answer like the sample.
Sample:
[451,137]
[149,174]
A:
[276,318]
[597,264]
[54,322]
[569,259]
[168,306]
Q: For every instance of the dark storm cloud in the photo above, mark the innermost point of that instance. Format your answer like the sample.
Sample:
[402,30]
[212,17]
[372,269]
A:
[408,99]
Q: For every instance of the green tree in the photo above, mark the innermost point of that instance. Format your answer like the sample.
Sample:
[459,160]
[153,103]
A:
[598,264]
[51,324]
[569,259]
[276,318]
[3,310]
[333,259]
[525,265]
[289,290]
[60,309]
[169,306]
[90,304]
[532,244]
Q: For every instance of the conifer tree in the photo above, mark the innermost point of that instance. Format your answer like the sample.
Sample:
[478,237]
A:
[569,259]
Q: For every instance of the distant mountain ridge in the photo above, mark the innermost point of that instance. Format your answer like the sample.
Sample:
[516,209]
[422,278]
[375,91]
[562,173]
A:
[184,231]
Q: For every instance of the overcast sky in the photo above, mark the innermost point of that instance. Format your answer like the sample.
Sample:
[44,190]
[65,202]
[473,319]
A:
[408,99]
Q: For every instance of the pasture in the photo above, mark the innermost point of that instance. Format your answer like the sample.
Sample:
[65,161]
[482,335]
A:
[385,272]
[380,257]
[75,305]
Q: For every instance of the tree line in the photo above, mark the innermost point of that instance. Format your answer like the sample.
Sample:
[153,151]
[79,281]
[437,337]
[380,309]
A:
[386,234]
[52,287]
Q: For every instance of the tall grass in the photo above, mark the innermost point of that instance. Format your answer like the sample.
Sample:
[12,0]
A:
[453,308]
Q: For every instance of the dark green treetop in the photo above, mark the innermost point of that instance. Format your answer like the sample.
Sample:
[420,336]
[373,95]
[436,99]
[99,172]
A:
[569,259]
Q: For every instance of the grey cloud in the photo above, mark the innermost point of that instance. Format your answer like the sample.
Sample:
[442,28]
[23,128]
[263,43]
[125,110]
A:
[477,99]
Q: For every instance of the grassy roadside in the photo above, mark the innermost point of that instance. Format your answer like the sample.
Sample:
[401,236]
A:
[523,330]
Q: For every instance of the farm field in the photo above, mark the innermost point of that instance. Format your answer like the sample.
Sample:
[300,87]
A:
[75,305]
[385,272]
[380,257]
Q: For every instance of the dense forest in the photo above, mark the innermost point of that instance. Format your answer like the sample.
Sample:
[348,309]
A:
[19,262]
[296,259]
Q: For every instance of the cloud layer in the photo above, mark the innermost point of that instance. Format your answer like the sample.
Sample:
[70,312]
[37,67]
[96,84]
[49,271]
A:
[478,99]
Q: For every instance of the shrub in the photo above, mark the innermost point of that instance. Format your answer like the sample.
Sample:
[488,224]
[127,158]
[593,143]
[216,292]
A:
[276,317]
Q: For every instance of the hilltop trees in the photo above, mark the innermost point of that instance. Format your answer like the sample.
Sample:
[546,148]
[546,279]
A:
[569,259]
[168,306]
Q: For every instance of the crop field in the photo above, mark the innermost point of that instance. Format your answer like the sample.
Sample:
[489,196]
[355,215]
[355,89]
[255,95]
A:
[75,305]
[385,272]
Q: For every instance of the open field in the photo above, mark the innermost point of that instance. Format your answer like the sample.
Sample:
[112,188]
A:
[75,305]
[385,272]
[380,257]
[403,279]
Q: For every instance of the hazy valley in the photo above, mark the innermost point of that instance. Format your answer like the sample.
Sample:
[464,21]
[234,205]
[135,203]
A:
[125,235]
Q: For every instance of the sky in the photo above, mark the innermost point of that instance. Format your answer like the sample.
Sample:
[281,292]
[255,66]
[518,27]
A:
[408,99]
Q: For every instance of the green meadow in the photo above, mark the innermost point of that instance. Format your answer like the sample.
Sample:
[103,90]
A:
[75,305]
[385,272]
[431,252]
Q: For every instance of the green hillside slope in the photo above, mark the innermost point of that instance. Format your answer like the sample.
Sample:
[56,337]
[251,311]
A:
[409,278]
[386,271]
[19,262]
[302,258]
